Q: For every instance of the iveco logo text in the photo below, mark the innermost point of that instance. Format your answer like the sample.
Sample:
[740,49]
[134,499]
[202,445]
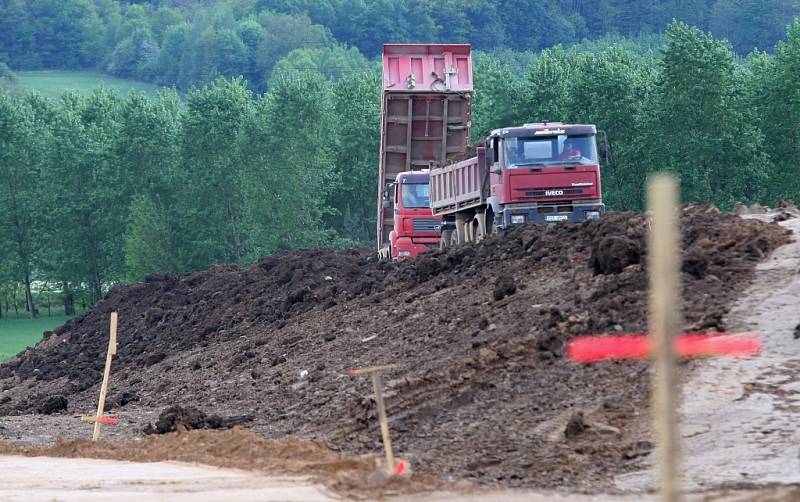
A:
[554,192]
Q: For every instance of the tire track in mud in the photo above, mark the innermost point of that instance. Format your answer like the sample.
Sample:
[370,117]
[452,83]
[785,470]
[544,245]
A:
[740,418]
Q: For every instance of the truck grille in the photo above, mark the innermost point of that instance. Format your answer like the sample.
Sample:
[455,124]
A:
[542,192]
[426,225]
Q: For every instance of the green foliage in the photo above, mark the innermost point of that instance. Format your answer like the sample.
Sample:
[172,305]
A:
[186,43]
[752,24]
[644,44]
[693,126]
[135,56]
[544,93]
[212,172]
[106,186]
[83,189]
[20,194]
[496,93]
[149,240]
[287,148]
[52,33]
[334,63]
[608,90]
[774,99]
[283,34]
[356,101]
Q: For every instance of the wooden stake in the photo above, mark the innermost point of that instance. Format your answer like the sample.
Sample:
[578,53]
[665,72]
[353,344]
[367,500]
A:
[112,350]
[375,373]
[664,268]
[387,440]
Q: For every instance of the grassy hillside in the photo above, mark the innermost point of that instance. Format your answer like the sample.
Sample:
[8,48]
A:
[16,334]
[53,83]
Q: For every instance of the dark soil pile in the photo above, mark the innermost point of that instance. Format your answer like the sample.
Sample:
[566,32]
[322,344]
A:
[484,391]
[180,418]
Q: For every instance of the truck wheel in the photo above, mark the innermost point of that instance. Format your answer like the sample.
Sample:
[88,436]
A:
[479,227]
[469,236]
[446,240]
[462,228]
[491,228]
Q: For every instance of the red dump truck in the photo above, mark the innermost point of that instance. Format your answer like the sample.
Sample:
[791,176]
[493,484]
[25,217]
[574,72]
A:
[415,229]
[425,122]
[536,173]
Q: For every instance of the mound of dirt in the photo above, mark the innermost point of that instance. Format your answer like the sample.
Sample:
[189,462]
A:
[52,404]
[483,392]
[189,418]
[168,314]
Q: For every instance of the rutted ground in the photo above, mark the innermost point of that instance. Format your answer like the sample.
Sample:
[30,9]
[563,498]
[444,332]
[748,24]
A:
[484,392]
[740,416]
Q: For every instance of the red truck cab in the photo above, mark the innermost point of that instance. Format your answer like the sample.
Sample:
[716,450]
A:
[542,173]
[537,173]
[416,229]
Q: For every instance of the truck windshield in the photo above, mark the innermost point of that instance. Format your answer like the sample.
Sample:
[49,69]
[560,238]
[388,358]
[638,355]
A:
[551,150]
[415,195]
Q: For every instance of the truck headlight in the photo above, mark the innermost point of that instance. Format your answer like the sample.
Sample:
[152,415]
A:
[517,219]
[592,215]
[404,253]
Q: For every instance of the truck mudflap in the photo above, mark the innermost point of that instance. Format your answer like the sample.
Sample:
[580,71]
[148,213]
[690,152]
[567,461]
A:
[574,213]
[405,247]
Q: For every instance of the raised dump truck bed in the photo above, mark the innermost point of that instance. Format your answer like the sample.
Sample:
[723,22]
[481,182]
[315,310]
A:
[426,111]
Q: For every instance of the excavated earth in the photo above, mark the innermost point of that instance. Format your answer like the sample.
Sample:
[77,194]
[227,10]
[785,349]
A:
[483,391]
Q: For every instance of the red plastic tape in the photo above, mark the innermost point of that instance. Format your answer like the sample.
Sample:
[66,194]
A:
[593,348]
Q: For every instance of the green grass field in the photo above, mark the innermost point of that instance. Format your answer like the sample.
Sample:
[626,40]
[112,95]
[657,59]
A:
[53,83]
[16,334]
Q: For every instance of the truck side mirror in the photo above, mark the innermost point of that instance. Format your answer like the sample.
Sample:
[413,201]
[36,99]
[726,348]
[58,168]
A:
[495,150]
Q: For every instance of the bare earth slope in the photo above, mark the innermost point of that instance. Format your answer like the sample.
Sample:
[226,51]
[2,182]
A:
[739,416]
[484,392]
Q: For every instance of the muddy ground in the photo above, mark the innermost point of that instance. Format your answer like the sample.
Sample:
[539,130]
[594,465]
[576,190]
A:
[484,392]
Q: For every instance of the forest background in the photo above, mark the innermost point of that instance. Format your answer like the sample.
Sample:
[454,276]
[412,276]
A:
[265,136]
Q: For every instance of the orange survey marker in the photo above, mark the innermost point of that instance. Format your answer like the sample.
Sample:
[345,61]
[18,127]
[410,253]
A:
[662,345]
[102,420]
[587,349]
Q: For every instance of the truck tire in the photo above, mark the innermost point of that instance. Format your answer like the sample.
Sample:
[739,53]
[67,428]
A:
[479,227]
[446,241]
[462,228]
[491,228]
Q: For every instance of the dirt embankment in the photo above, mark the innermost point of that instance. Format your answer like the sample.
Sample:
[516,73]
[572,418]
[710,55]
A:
[354,477]
[484,392]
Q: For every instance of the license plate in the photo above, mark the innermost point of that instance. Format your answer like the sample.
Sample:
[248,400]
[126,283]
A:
[556,217]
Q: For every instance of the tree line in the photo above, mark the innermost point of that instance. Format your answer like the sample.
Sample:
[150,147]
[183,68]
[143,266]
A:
[183,43]
[101,188]
[727,126]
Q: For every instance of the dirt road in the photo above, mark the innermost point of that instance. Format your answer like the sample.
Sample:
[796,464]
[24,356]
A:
[59,479]
[44,478]
[740,416]
[47,479]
